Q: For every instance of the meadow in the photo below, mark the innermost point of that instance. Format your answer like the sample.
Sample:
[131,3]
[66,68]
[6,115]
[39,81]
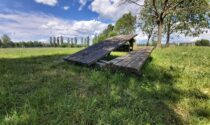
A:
[38,87]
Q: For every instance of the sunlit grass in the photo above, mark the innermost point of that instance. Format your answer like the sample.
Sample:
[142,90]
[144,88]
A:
[33,52]
[38,87]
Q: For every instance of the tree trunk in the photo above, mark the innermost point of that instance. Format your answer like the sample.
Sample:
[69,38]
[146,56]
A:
[168,39]
[168,34]
[149,36]
[160,31]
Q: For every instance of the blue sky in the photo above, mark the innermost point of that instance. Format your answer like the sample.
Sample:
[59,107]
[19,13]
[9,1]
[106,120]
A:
[72,11]
[40,19]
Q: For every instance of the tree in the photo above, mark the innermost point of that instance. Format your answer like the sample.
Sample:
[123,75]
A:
[54,41]
[191,23]
[58,41]
[101,37]
[72,41]
[160,9]
[88,41]
[82,40]
[61,40]
[126,24]
[68,40]
[75,40]
[109,29]
[147,25]
[6,40]
[1,44]
[105,34]
[51,41]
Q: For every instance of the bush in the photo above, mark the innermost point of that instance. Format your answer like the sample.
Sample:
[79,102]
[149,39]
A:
[64,45]
[99,38]
[202,42]
[154,43]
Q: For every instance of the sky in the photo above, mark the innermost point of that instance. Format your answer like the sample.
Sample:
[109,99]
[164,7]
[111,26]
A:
[25,20]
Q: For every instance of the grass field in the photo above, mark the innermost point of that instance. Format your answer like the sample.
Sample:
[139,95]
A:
[38,87]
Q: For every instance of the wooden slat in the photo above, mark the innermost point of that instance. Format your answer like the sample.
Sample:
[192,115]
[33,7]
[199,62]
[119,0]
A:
[133,61]
[92,54]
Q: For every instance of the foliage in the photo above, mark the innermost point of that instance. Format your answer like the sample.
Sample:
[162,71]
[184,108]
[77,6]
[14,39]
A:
[109,29]
[154,43]
[99,38]
[31,44]
[112,33]
[191,22]
[37,87]
[202,42]
[6,41]
[191,12]
[1,44]
[53,42]
[108,32]
[126,24]
[147,25]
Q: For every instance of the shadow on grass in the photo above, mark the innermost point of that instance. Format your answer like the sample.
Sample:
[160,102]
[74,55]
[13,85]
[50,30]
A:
[47,90]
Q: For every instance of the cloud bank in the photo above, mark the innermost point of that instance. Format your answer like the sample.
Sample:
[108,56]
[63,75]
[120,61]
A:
[112,9]
[39,26]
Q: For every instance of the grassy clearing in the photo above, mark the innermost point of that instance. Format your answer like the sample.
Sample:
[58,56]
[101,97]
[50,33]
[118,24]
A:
[34,52]
[37,87]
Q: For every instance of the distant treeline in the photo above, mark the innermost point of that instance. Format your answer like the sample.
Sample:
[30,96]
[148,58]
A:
[69,42]
[6,42]
[202,42]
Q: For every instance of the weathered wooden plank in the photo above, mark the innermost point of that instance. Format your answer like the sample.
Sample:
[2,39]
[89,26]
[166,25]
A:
[136,62]
[94,53]
[133,61]
[117,60]
[94,57]
[129,58]
[100,54]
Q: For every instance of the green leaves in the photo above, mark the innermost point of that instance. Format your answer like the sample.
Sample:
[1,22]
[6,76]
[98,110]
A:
[189,17]
[126,24]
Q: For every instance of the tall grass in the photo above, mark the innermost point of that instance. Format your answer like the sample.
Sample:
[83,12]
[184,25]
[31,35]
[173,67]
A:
[38,87]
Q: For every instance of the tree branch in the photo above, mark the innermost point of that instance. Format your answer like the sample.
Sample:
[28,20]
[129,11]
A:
[167,11]
[131,1]
[154,5]
[165,4]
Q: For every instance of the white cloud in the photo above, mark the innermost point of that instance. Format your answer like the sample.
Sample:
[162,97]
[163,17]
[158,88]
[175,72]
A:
[36,26]
[82,4]
[112,9]
[47,2]
[66,7]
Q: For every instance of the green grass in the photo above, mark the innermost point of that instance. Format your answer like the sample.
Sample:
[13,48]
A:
[38,87]
[34,52]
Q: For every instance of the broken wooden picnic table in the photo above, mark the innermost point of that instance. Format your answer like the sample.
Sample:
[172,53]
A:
[96,52]
[93,55]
